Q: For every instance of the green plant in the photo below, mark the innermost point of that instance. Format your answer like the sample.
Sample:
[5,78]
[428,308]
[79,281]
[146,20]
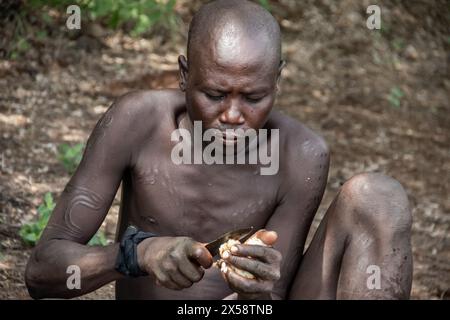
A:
[395,97]
[143,14]
[33,20]
[70,156]
[398,44]
[385,29]
[265,4]
[99,239]
[31,232]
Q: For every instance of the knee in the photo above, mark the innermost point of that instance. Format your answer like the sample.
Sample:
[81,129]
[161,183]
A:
[377,198]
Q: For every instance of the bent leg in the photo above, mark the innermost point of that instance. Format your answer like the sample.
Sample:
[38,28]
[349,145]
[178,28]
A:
[362,248]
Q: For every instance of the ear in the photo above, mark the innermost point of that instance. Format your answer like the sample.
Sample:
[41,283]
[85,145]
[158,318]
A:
[183,69]
[280,68]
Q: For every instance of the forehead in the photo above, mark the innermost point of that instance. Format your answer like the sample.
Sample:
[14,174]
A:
[229,51]
[232,45]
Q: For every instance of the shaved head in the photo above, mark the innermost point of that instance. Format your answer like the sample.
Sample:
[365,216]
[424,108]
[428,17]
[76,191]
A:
[232,30]
[231,75]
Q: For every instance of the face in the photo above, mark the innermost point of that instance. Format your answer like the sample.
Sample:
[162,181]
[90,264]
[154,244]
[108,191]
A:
[230,88]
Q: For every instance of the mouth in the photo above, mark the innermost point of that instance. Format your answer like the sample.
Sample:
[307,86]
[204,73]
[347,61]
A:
[229,137]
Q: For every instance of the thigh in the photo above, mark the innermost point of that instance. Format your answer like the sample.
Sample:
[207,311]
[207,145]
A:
[365,230]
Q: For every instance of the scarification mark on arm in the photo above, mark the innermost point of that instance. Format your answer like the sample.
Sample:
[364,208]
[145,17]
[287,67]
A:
[100,130]
[78,196]
[81,197]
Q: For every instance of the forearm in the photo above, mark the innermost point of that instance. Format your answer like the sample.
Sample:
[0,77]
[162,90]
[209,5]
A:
[47,271]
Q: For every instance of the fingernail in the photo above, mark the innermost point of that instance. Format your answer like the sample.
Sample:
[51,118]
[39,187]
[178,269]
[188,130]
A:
[234,249]
[226,255]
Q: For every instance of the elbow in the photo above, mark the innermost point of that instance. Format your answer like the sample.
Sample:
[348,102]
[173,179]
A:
[32,282]
[37,276]
[43,275]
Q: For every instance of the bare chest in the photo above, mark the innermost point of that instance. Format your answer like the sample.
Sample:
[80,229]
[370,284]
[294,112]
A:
[199,201]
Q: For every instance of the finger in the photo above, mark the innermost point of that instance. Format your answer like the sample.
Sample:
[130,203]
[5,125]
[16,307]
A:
[180,262]
[266,254]
[255,267]
[268,237]
[179,279]
[191,271]
[164,280]
[168,284]
[199,253]
[244,285]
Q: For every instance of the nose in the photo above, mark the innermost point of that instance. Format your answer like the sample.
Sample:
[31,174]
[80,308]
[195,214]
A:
[232,116]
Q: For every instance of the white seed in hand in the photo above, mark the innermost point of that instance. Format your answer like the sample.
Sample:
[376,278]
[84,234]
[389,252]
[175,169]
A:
[225,253]
[230,245]
[224,268]
[227,245]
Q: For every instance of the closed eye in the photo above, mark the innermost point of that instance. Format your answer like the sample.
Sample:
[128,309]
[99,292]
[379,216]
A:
[214,97]
[254,99]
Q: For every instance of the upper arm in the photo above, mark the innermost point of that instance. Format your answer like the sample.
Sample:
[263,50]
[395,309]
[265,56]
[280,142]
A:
[87,197]
[301,192]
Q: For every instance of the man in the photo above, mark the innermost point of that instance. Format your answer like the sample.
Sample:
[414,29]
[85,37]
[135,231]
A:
[228,81]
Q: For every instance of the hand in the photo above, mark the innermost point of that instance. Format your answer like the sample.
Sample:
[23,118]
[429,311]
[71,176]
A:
[175,262]
[262,261]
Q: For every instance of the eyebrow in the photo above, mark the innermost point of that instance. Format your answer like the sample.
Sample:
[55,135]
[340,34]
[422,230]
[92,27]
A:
[218,88]
[207,84]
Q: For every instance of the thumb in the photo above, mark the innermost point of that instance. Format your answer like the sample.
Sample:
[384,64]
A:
[200,254]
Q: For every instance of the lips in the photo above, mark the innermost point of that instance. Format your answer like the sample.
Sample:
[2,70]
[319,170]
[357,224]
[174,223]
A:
[230,137]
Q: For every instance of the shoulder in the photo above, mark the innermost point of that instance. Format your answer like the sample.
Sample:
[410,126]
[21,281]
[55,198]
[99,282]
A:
[296,139]
[131,119]
[139,113]
[303,153]
[146,105]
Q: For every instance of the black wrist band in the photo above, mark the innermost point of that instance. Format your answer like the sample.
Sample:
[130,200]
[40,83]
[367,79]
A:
[126,262]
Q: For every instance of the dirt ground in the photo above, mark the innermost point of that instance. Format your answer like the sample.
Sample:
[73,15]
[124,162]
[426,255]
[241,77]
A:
[339,81]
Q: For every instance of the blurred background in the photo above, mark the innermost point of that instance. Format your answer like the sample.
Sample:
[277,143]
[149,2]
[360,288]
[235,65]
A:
[380,98]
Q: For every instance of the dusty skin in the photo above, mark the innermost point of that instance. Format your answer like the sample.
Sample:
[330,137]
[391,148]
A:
[230,81]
